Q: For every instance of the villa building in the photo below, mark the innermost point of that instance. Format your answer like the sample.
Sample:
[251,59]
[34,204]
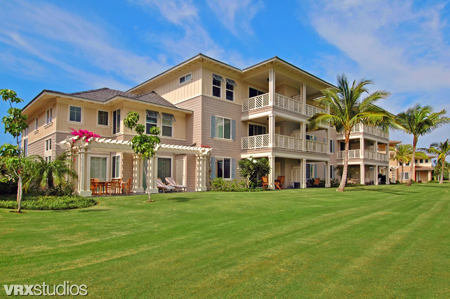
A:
[211,115]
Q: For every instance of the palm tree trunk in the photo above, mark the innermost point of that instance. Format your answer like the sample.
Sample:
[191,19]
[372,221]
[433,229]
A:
[19,194]
[442,173]
[412,171]
[401,179]
[345,170]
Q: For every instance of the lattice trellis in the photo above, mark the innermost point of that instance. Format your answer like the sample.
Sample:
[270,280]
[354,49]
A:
[295,175]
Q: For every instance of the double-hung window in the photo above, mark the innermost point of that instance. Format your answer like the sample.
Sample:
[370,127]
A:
[167,124]
[230,84]
[223,127]
[217,85]
[48,145]
[223,168]
[75,114]
[103,117]
[49,116]
[116,121]
[151,120]
[185,78]
[115,167]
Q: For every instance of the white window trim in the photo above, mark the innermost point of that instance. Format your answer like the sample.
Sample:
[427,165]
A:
[185,81]
[49,140]
[231,170]
[75,122]
[233,91]
[157,124]
[47,122]
[162,125]
[107,165]
[231,129]
[221,87]
[109,118]
[171,163]
[120,168]
[36,124]
[46,157]
[112,122]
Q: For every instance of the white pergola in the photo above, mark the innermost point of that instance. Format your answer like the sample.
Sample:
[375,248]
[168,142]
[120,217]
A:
[84,150]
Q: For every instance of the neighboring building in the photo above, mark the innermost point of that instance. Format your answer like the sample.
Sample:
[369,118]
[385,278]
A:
[260,111]
[423,167]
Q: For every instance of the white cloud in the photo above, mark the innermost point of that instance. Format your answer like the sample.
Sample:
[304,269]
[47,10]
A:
[236,15]
[32,27]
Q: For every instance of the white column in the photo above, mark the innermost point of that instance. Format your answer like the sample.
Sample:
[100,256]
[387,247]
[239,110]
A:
[303,174]
[376,150]
[83,176]
[137,173]
[87,176]
[271,130]
[271,86]
[201,173]
[362,175]
[272,172]
[328,141]
[327,175]
[152,173]
[303,128]
[376,174]
[304,99]
[388,175]
[361,145]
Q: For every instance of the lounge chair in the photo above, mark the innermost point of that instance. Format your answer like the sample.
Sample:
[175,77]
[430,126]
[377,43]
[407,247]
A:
[265,181]
[279,182]
[164,187]
[174,184]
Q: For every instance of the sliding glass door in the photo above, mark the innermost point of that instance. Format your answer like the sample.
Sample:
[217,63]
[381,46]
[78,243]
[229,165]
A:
[98,168]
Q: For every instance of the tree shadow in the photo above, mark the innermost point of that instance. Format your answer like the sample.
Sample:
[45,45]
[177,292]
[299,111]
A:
[182,199]
[94,210]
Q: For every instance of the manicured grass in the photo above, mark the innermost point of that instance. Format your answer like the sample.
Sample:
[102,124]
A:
[374,241]
[41,202]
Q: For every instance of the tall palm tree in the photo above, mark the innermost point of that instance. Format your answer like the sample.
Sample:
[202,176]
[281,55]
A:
[419,121]
[442,150]
[349,106]
[53,173]
[403,154]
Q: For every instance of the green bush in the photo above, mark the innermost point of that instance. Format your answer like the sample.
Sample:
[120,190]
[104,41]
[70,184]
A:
[219,184]
[40,202]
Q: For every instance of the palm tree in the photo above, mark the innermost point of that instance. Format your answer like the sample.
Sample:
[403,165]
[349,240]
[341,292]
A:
[53,173]
[442,150]
[348,108]
[419,121]
[403,154]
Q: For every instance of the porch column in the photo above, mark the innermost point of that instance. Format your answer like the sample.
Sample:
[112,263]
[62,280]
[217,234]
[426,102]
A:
[388,174]
[137,173]
[271,130]
[327,174]
[201,173]
[272,172]
[83,176]
[361,146]
[376,174]
[303,128]
[152,187]
[303,93]
[376,150]
[328,141]
[362,174]
[271,86]
[303,174]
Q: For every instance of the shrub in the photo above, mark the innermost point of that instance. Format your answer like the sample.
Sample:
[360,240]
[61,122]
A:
[219,184]
[40,202]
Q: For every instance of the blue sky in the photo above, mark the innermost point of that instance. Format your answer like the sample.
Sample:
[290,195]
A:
[78,45]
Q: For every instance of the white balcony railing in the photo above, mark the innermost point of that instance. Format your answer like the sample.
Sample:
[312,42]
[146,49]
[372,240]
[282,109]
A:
[311,110]
[255,102]
[287,103]
[358,128]
[253,142]
[352,154]
[316,146]
[288,142]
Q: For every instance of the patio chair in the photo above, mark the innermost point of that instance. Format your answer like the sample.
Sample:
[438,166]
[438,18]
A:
[164,187]
[316,182]
[114,186]
[265,181]
[279,182]
[94,186]
[127,186]
[174,184]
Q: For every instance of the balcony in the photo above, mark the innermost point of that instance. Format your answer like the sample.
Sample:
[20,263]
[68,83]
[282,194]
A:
[280,101]
[283,142]
[368,154]
[360,128]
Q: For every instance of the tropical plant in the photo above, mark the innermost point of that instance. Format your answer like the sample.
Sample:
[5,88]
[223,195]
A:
[419,121]
[50,174]
[15,123]
[442,150]
[142,144]
[350,106]
[403,154]
[250,169]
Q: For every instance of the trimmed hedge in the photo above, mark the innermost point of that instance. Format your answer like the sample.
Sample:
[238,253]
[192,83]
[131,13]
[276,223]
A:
[40,202]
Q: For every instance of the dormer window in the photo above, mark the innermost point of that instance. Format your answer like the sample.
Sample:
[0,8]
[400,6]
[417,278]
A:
[185,78]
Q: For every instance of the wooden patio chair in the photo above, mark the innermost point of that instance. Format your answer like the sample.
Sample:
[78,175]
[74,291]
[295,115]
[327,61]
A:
[279,182]
[127,186]
[174,184]
[164,187]
[113,187]
[94,186]
[265,181]
[316,182]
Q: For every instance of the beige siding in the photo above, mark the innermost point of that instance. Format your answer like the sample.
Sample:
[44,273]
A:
[43,129]
[127,166]
[240,92]
[193,121]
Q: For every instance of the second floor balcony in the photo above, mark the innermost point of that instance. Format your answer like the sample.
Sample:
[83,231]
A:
[368,154]
[361,128]
[284,142]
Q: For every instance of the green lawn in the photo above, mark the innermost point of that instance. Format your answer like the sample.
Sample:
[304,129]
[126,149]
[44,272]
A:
[375,241]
